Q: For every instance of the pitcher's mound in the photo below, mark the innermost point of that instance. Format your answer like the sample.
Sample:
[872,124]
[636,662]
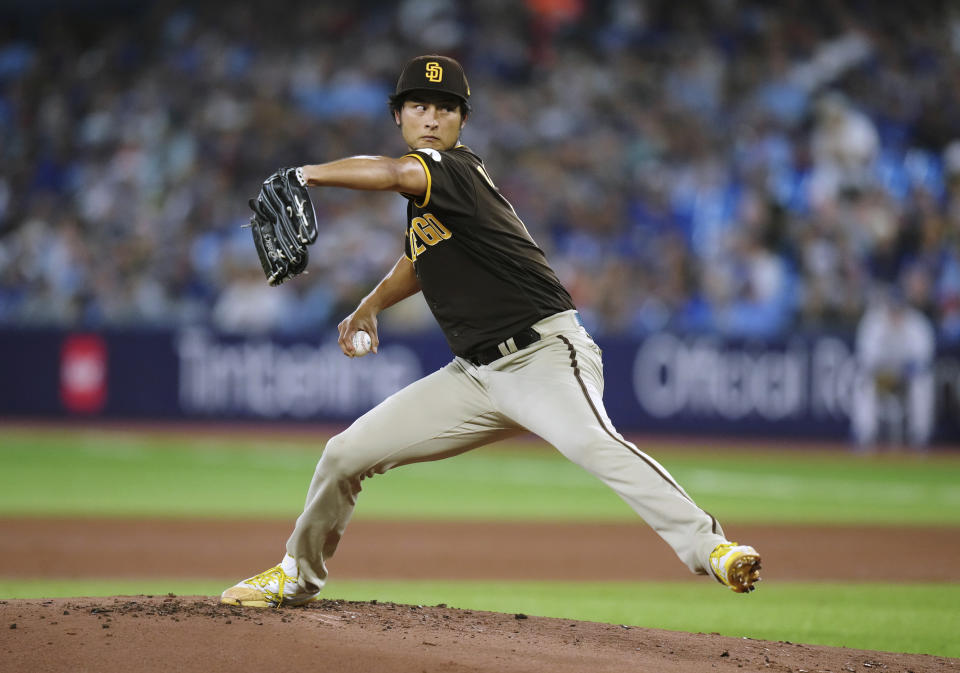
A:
[192,634]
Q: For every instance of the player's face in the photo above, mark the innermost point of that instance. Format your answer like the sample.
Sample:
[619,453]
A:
[430,123]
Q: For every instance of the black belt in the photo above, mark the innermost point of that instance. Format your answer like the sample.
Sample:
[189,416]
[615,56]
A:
[517,342]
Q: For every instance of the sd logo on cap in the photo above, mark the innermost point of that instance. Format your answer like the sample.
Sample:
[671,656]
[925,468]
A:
[434,73]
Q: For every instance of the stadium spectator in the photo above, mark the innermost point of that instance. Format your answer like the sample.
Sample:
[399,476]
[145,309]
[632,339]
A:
[131,140]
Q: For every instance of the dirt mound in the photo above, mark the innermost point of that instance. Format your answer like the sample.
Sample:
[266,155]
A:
[196,634]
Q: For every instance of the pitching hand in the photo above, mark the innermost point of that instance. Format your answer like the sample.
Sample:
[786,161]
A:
[361,319]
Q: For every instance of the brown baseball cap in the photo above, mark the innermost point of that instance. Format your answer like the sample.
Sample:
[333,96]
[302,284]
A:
[434,73]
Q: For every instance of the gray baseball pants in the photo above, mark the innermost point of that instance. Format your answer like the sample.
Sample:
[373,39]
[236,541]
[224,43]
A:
[553,388]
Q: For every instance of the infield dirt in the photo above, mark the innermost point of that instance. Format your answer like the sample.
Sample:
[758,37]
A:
[195,634]
[232,550]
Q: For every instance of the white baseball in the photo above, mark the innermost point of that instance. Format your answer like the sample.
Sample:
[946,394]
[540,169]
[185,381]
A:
[361,343]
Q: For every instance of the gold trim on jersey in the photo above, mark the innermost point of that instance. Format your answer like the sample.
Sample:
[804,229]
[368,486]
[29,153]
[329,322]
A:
[426,196]
[486,176]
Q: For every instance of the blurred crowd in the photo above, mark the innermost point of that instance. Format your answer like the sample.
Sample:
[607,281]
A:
[736,167]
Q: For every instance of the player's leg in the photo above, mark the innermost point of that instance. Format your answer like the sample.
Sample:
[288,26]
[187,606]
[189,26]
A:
[864,412]
[920,406]
[556,392]
[441,415]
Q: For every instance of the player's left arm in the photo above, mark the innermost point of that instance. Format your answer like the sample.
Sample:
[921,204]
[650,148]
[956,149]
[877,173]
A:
[376,173]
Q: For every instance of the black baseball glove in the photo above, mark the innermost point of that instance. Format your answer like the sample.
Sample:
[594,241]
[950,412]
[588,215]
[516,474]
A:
[284,223]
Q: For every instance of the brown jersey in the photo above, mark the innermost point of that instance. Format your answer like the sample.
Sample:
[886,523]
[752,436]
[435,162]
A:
[481,273]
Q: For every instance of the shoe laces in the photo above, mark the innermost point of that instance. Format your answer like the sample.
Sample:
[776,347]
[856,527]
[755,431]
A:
[268,577]
[723,548]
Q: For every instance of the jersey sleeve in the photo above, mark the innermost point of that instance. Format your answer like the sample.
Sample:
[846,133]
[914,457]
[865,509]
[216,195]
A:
[451,182]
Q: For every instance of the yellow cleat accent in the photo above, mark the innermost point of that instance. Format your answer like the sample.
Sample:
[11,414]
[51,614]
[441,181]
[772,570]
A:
[270,589]
[736,565]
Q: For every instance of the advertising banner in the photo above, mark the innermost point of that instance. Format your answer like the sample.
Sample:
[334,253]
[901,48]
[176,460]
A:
[666,383]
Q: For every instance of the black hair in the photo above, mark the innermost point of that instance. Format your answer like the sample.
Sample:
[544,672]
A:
[396,100]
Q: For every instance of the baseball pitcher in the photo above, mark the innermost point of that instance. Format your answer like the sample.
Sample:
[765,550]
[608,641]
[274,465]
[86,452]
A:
[523,361]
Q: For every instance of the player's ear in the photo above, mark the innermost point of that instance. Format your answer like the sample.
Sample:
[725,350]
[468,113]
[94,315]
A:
[396,117]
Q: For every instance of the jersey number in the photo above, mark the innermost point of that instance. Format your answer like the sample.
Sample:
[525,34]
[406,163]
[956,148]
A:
[427,229]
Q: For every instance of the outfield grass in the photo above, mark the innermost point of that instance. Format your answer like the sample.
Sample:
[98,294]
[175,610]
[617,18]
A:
[95,473]
[131,474]
[913,618]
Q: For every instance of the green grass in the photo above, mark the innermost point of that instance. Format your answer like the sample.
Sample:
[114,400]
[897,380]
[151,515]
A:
[126,473]
[82,472]
[917,618]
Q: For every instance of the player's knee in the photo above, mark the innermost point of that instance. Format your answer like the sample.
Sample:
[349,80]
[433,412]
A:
[586,452]
[339,459]
[598,454]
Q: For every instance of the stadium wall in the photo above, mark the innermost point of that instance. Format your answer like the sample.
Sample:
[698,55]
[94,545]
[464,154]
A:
[665,383]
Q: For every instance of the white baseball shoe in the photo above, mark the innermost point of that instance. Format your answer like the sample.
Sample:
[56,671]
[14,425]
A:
[736,565]
[271,588]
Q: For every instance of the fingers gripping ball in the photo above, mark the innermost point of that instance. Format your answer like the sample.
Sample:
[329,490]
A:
[361,344]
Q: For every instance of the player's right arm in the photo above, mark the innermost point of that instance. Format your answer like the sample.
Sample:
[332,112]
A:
[401,282]
[405,175]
